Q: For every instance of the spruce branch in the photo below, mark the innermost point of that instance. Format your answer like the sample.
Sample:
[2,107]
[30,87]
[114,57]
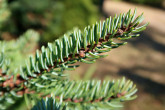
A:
[49,104]
[93,94]
[9,52]
[45,71]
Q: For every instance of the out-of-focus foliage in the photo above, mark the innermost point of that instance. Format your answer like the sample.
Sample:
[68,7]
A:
[51,18]
[4,12]
[157,3]
[97,2]
[18,50]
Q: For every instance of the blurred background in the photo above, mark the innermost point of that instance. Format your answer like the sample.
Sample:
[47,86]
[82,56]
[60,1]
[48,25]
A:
[141,60]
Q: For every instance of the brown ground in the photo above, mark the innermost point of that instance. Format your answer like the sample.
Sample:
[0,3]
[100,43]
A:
[141,60]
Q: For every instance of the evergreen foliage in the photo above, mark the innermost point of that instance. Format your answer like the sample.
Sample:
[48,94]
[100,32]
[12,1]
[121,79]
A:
[42,74]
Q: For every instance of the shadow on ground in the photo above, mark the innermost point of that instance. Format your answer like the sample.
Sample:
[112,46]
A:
[146,84]
[146,39]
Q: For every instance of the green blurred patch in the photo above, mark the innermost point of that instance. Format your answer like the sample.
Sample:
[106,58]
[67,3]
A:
[4,12]
[51,18]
